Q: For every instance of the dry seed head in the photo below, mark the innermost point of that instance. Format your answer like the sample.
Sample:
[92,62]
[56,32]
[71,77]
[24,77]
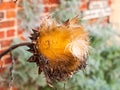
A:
[59,50]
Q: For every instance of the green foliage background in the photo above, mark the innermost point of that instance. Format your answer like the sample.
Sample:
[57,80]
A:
[103,69]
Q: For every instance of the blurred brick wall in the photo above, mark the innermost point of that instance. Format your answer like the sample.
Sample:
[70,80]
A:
[7,23]
[8,29]
[49,5]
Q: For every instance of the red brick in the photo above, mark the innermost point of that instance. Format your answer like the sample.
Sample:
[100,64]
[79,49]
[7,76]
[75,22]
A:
[7,5]
[51,1]
[49,8]
[7,60]
[19,31]
[46,9]
[5,43]
[5,24]
[19,34]
[2,34]
[109,2]
[2,88]
[1,15]
[2,50]
[2,69]
[1,63]
[22,37]
[84,6]
[10,33]
[10,14]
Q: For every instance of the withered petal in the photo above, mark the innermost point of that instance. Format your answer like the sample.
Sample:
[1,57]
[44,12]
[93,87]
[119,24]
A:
[39,70]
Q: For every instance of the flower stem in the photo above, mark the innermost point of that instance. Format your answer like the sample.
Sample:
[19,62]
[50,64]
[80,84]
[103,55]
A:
[14,47]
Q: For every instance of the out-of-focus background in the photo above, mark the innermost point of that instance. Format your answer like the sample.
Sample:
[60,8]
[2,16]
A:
[99,17]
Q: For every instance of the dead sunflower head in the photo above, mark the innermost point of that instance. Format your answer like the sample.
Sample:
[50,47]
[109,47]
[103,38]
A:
[59,50]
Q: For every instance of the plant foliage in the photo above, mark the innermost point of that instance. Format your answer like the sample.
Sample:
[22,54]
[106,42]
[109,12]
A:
[30,13]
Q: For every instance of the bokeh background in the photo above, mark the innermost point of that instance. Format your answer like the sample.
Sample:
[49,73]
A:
[99,17]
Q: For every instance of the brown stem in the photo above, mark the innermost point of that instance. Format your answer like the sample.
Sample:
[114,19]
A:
[13,47]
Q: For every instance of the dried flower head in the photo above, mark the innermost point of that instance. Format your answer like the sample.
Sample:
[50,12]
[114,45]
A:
[59,50]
